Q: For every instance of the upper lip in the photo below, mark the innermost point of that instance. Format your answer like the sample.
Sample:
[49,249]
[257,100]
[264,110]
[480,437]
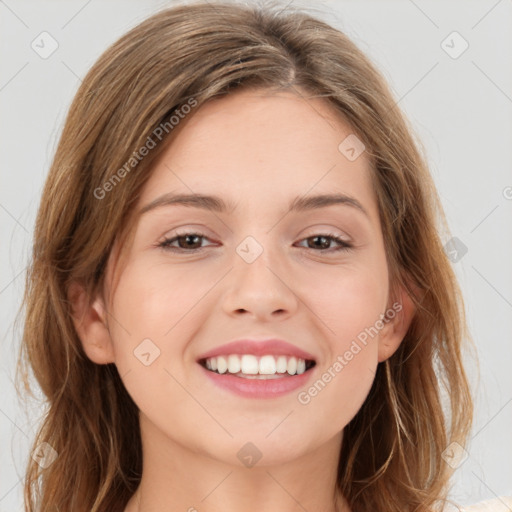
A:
[269,346]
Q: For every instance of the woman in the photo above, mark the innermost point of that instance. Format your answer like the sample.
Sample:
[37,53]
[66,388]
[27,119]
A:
[238,297]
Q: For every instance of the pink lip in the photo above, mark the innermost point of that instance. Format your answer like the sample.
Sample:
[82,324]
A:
[258,348]
[259,388]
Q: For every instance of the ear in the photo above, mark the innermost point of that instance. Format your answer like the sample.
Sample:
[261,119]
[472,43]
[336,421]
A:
[399,317]
[91,325]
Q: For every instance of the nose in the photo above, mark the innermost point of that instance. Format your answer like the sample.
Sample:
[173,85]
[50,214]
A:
[261,289]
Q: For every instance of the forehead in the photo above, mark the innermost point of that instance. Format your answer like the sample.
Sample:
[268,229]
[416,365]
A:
[256,146]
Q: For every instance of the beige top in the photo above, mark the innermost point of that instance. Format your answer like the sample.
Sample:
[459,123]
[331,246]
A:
[501,504]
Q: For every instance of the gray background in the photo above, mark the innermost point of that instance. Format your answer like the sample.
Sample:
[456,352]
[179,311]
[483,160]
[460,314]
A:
[461,108]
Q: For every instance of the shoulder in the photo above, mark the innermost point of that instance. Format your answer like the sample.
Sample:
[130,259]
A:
[501,504]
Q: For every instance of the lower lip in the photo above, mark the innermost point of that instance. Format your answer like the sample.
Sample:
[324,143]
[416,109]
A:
[259,388]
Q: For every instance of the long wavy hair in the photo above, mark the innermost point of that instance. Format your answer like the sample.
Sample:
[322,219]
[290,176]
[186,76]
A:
[392,451]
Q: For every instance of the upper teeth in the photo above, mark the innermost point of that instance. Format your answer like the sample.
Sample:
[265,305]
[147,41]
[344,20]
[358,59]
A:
[252,365]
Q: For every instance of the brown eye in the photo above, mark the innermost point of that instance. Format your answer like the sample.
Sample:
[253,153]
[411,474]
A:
[187,242]
[323,243]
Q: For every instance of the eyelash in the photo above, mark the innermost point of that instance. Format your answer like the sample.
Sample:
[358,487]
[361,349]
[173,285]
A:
[165,244]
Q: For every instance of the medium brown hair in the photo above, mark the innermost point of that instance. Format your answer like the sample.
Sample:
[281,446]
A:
[391,455]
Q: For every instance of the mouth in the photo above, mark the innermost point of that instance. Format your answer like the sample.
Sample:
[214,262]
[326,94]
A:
[265,367]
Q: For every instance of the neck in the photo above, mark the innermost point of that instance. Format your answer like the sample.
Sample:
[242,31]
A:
[175,478]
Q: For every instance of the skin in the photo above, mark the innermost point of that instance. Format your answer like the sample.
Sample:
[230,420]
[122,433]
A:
[259,150]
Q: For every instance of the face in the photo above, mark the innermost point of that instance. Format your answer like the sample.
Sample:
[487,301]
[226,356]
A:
[197,276]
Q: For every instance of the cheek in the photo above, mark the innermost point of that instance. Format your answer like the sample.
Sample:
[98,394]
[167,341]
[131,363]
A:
[149,310]
[153,299]
[348,302]
[152,322]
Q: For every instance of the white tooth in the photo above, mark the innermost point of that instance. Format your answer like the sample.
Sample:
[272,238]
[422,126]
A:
[292,365]
[208,364]
[222,364]
[267,365]
[233,363]
[301,366]
[249,364]
[213,362]
[282,364]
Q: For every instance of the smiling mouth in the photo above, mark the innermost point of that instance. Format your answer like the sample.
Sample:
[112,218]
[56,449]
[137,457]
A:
[248,366]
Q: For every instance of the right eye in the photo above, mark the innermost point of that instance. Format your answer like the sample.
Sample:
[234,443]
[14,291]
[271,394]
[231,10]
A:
[187,242]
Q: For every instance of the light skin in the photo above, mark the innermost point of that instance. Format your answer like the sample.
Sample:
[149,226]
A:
[259,151]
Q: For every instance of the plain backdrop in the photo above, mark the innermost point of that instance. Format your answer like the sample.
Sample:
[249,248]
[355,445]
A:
[456,89]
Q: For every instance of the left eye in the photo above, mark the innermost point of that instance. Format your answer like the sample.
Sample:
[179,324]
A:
[191,242]
[325,240]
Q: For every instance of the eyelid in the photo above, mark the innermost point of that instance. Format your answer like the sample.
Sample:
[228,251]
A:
[188,229]
[327,230]
[164,243]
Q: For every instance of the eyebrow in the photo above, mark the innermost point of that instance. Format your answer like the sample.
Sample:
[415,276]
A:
[217,204]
